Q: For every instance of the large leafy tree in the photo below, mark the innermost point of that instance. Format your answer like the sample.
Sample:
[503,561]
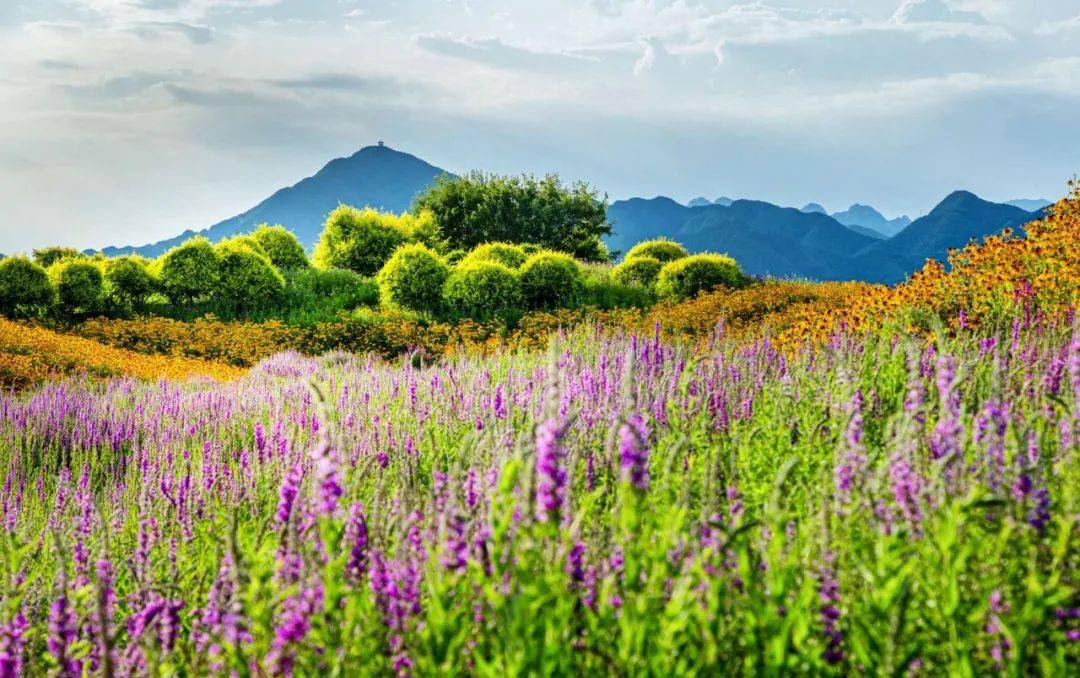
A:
[479,208]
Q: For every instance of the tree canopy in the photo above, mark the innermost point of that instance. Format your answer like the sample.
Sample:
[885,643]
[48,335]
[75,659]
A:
[477,208]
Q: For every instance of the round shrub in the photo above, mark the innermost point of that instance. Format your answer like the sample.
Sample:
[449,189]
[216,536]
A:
[686,277]
[661,249]
[552,280]
[80,286]
[25,288]
[507,254]
[482,288]
[128,282]
[359,240]
[454,257]
[190,272]
[413,278]
[247,278]
[283,248]
[640,270]
[530,248]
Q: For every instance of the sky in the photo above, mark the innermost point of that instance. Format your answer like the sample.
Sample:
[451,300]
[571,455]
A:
[128,121]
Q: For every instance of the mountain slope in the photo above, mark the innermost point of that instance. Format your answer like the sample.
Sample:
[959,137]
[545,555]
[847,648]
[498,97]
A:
[955,221]
[764,238]
[375,176]
[1031,205]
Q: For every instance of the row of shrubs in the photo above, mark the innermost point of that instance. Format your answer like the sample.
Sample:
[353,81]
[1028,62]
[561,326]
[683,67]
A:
[262,274]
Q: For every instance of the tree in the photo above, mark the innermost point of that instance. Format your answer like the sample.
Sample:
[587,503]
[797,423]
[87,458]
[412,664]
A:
[507,254]
[552,280]
[25,288]
[637,270]
[247,278]
[190,272]
[47,256]
[283,248]
[359,240]
[661,249]
[687,277]
[413,278]
[128,282]
[479,208]
[80,286]
[482,289]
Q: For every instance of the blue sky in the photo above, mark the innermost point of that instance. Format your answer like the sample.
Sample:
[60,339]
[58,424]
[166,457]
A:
[125,121]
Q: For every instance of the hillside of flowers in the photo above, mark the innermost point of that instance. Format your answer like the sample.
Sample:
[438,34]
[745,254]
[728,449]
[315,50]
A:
[618,505]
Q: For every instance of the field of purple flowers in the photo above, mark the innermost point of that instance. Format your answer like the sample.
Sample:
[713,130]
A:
[620,506]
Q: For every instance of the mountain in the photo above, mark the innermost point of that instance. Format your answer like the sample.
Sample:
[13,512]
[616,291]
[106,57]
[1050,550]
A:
[866,218]
[375,176]
[1028,204]
[813,208]
[771,240]
[723,201]
[699,202]
[764,238]
[955,221]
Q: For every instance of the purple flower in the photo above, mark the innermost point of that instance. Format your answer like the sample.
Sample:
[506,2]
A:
[356,540]
[634,451]
[829,614]
[62,633]
[550,455]
[290,488]
[12,645]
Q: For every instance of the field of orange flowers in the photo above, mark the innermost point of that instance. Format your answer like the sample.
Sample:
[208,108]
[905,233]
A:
[29,355]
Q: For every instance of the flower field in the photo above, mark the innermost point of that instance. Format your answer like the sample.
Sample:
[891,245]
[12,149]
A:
[620,506]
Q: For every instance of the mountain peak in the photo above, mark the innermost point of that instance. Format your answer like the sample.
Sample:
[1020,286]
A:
[813,207]
[959,199]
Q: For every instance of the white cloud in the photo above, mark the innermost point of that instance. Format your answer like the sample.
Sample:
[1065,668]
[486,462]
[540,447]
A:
[934,11]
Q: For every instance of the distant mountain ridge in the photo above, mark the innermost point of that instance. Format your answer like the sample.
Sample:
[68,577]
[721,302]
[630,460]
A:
[374,176]
[766,239]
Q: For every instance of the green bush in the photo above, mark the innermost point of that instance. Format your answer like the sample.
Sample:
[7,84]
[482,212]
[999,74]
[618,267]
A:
[248,279]
[686,277]
[507,254]
[47,256]
[413,278]
[482,289]
[552,280]
[128,282]
[638,270]
[359,240]
[454,257]
[190,272]
[25,288]
[80,286]
[661,249]
[283,248]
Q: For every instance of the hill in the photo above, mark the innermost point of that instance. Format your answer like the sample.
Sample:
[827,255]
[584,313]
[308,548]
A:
[375,176]
[864,218]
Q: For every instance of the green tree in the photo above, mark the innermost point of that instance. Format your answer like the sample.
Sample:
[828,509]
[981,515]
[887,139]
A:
[413,278]
[247,279]
[552,280]
[478,208]
[47,256]
[25,288]
[661,249]
[190,272]
[689,276]
[359,240]
[282,246]
[80,286]
[637,270]
[482,289]
[507,254]
[128,282]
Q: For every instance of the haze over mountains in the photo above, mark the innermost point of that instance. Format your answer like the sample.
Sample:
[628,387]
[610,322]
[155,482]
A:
[858,243]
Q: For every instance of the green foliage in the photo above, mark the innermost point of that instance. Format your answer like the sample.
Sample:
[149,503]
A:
[642,270]
[283,248]
[128,282]
[247,278]
[413,278]
[552,280]
[507,254]
[190,272]
[80,286]
[661,249]
[604,292]
[25,288]
[454,257]
[482,289]
[360,240]
[478,208]
[47,256]
[686,277]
